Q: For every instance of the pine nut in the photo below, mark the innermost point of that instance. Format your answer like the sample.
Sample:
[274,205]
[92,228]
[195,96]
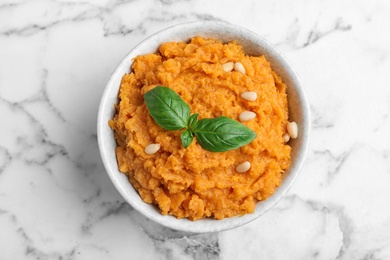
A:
[247,115]
[243,167]
[286,137]
[239,67]
[152,148]
[292,129]
[228,66]
[251,96]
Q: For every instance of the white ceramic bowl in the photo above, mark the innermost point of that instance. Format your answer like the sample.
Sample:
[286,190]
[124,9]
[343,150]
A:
[253,45]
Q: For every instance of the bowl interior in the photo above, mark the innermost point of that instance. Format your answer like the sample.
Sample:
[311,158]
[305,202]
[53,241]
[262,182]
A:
[253,45]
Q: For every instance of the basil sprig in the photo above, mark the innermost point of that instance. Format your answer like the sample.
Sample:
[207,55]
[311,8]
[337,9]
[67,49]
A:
[219,134]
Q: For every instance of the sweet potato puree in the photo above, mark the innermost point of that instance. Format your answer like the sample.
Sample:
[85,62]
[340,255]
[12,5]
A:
[195,183]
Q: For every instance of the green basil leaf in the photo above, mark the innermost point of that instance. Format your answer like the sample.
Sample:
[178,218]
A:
[167,108]
[217,135]
[186,138]
[193,121]
[222,134]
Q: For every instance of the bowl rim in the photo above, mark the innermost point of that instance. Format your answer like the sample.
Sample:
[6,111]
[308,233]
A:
[203,225]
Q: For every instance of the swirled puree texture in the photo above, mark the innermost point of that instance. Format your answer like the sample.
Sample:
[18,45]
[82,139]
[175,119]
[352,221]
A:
[195,183]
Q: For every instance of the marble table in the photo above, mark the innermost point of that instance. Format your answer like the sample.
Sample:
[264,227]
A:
[56,200]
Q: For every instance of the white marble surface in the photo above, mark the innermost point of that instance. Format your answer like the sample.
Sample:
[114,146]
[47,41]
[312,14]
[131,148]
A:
[56,201]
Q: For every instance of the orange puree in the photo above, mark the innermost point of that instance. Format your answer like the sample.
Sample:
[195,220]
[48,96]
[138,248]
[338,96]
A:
[195,183]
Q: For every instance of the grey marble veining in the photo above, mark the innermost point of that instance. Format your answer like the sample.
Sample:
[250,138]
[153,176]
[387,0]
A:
[56,201]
